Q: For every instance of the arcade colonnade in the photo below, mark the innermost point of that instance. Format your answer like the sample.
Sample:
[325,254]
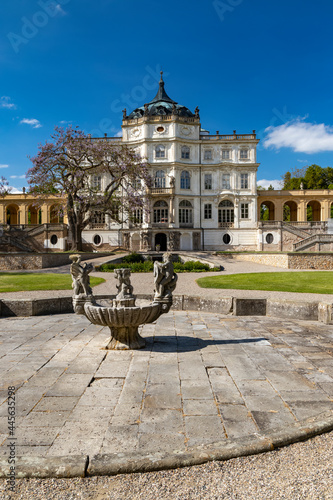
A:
[21,209]
[297,205]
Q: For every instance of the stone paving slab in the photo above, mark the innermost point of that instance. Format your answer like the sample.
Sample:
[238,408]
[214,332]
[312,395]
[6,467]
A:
[203,380]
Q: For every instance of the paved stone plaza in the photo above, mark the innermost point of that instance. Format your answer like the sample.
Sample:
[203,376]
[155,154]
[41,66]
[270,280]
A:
[202,379]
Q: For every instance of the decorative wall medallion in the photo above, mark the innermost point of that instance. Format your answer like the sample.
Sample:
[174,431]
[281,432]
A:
[136,132]
[186,131]
[160,129]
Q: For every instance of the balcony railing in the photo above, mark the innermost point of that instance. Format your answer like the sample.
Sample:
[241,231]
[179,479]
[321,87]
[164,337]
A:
[233,137]
[226,224]
[160,190]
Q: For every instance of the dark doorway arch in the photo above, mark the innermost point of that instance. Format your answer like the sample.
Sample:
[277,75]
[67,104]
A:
[161,239]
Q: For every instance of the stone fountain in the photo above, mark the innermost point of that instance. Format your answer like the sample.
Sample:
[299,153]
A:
[122,316]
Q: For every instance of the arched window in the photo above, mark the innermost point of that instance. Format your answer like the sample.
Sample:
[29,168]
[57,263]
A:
[159,181]
[160,151]
[185,213]
[185,152]
[226,213]
[185,180]
[160,212]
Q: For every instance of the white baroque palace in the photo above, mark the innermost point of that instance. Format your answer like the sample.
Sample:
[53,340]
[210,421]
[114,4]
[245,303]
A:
[204,194]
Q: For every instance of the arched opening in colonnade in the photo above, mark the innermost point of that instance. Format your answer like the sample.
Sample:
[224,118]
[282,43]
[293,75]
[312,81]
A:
[290,211]
[12,215]
[267,210]
[56,215]
[34,215]
[313,211]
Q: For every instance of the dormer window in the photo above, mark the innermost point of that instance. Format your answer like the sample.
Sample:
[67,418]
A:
[244,154]
[160,151]
[208,155]
[185,152]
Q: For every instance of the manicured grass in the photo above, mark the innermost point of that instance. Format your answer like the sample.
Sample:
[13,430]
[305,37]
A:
[23,282]
[299,282]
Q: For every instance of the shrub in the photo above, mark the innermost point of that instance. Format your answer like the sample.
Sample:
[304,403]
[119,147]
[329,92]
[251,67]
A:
[133,258]
[147,266]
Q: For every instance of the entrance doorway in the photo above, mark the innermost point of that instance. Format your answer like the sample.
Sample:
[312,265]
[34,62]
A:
[161,239]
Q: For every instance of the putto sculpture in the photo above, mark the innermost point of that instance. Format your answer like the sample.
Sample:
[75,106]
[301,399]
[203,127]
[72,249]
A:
[122,316]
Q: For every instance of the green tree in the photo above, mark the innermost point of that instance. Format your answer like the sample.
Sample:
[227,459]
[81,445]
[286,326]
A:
[312,177]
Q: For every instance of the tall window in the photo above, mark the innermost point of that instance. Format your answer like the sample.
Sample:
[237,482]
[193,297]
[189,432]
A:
[208,181]
[225,181]
[244,211]
[160,212]
[225,154]
[226,212]
[185,180]
[244,154]
[185,152]
[137,216]
[160,151]
[159,181]
[97,182]
[207,211]
[185,212]
[136,184]
[244,181]
[208,154]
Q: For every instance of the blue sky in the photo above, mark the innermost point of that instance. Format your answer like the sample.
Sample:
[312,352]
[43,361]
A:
[247,64]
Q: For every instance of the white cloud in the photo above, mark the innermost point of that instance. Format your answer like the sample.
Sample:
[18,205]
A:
[300,136]
[60,10]
[5,103]
[17,177]
[4,166]
[32,121]
[119,133]
[277,184]
[14,190]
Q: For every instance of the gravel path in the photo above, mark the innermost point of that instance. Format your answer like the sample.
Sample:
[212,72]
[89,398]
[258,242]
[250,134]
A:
[300,471]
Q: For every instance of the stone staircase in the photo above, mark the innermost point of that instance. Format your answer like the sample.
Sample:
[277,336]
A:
[315,239]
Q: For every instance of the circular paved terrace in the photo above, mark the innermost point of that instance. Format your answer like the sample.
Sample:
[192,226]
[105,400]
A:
[205,387]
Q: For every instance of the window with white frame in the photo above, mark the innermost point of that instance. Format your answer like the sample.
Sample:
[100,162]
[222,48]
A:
[208,155]
[244,178]
[160,151]
[185,213]
[226,212]
[185,152]
[225,181]
[136,184]
[185,180]
[208,181]
[137,216]
[244,211]
[244,154]
[97,182]
[161,212]
[225,154]
[159,180]
[207,211]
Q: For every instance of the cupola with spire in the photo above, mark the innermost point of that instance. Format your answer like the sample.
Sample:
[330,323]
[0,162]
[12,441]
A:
[162,105]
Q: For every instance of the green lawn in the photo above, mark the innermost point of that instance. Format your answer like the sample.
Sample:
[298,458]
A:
[300,282]
[23,282]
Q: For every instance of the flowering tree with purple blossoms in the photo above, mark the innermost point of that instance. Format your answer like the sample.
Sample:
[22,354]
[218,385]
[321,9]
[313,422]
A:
[4,187]
[66,167]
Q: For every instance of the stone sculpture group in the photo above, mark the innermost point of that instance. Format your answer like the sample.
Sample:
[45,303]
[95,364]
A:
[123,317]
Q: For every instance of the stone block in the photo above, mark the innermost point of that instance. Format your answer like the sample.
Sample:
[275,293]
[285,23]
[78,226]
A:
[325,313]
[292,309]
[249,307]
[221,306]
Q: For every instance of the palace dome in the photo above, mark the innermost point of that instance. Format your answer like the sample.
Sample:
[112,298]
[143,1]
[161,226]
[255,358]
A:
[162,105]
